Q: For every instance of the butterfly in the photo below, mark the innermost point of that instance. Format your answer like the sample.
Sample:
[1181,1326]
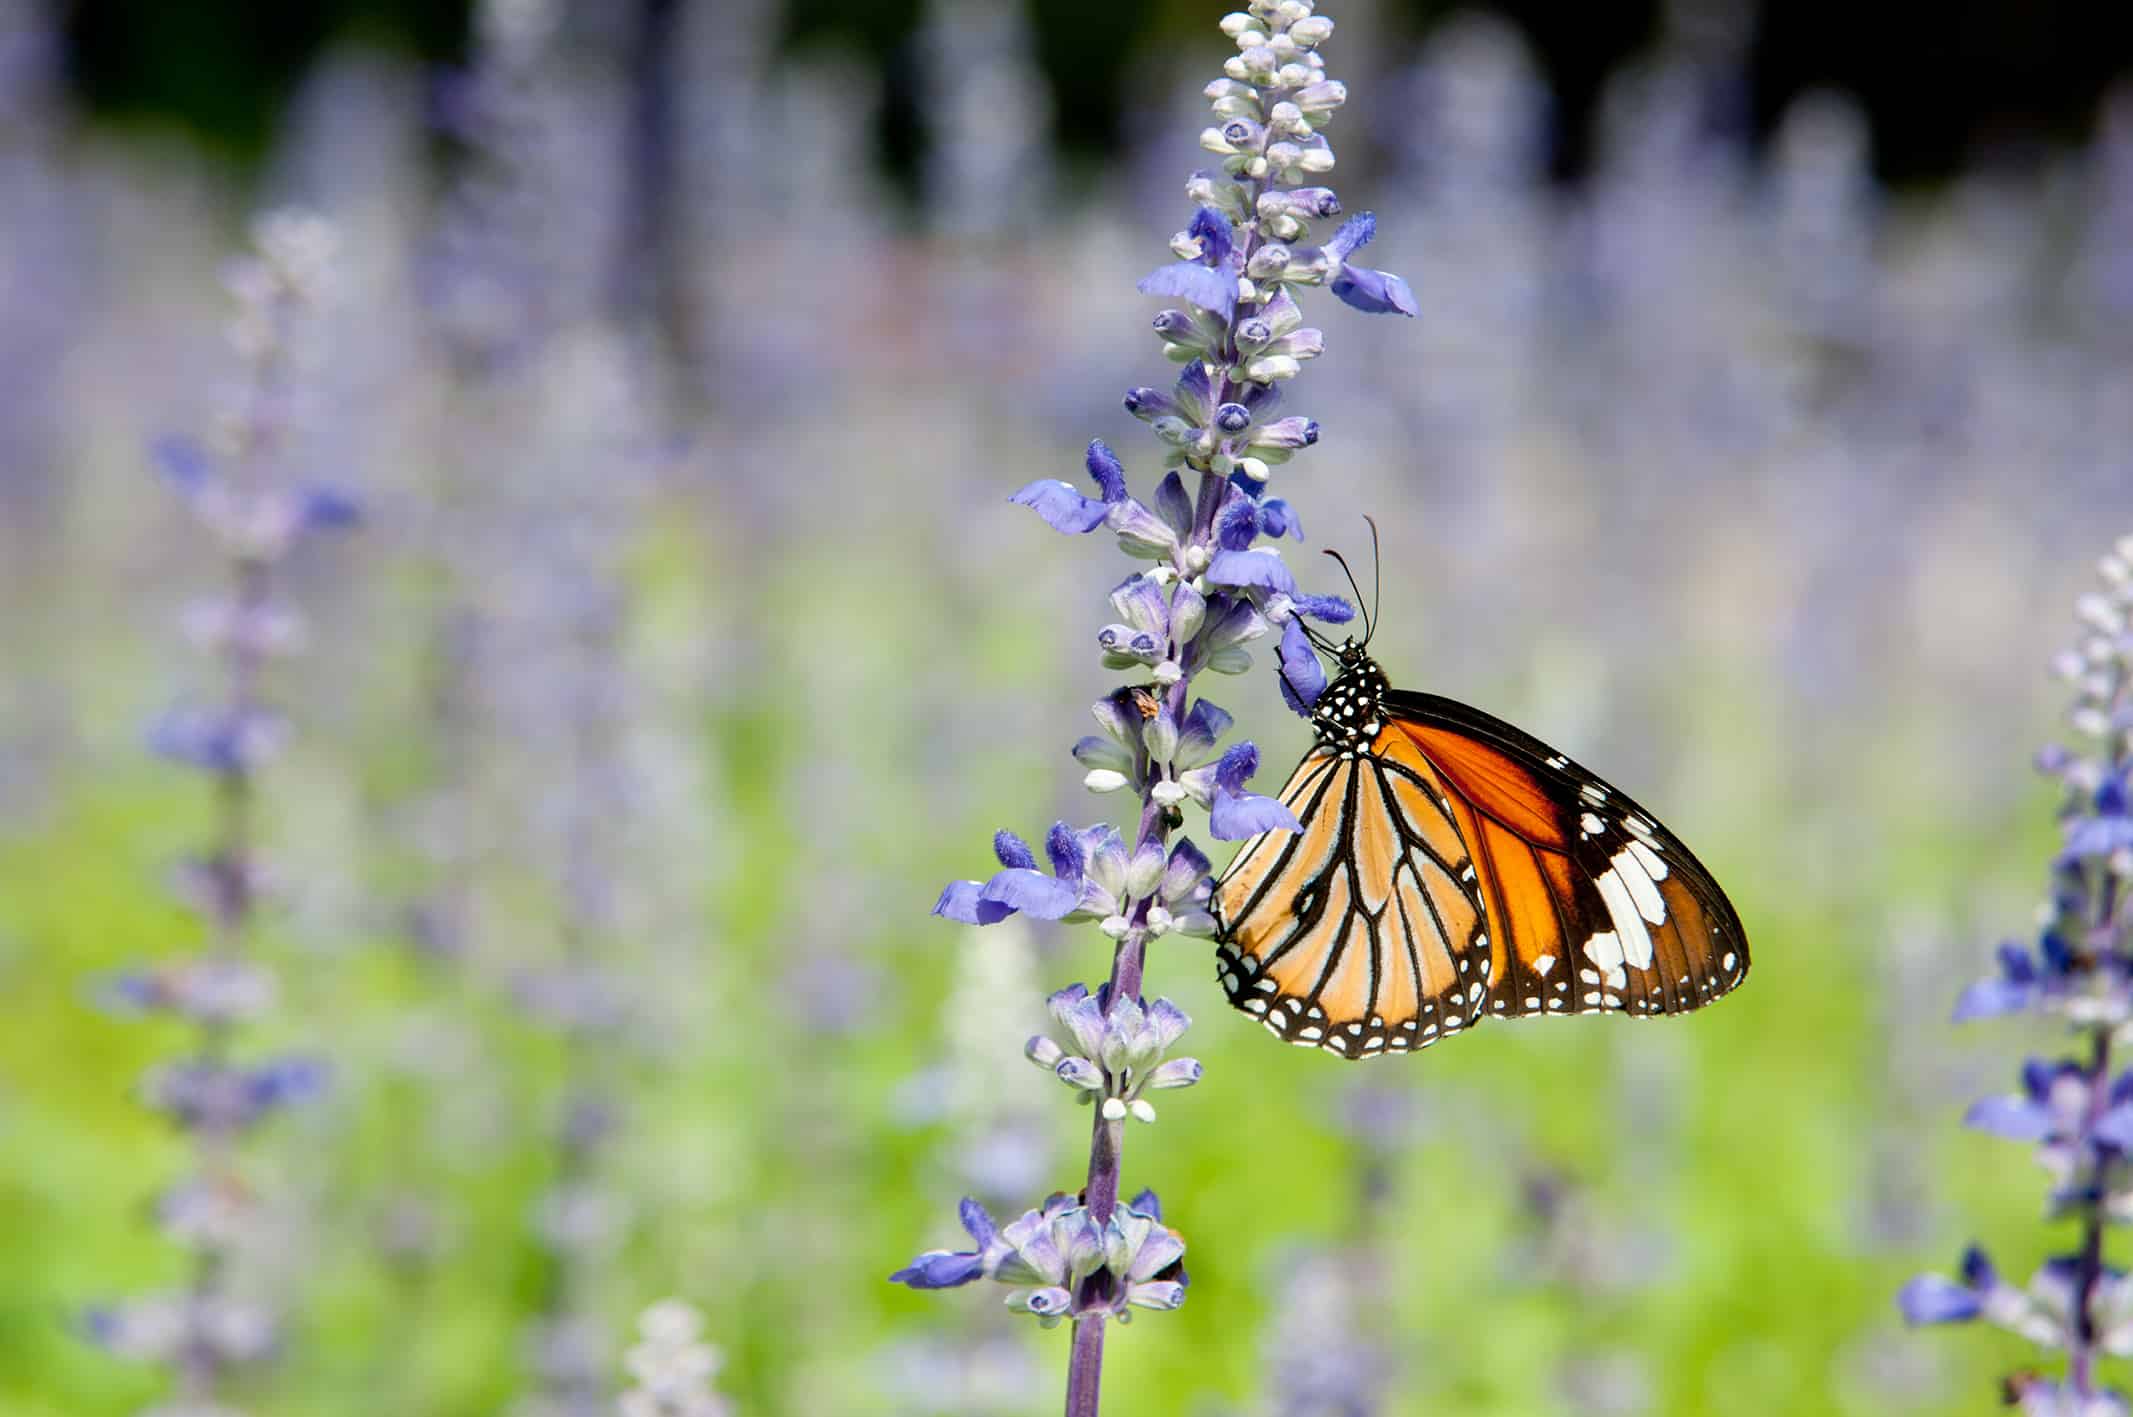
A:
[1451,867]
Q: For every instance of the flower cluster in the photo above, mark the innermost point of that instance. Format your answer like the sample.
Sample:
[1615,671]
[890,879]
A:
[238,489]
[1212,582]
[1062,1262]
[1118,1052]
[2078,1111]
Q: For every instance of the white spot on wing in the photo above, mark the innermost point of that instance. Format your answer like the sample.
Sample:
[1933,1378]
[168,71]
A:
[1649,860]
[1636,941]
[1543,963]
[1650,904]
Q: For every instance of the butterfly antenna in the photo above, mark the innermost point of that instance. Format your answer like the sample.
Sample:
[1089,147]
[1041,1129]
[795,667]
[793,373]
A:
[1369,617]
[1377,581]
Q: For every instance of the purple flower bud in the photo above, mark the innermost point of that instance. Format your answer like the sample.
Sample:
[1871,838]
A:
[1233,418]
[1150,404]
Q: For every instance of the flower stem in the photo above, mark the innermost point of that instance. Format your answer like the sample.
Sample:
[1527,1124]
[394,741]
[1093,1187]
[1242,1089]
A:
[1085,1369]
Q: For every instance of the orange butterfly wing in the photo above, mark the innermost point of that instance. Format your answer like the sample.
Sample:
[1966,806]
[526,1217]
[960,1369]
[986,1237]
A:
[1460,867]
[1598,907]
[1365,932]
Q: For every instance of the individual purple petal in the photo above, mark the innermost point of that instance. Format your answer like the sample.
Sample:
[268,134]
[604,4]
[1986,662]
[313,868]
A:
[1287,433]
[182,462]
[1936,1299]
[1195,391]
[1210,289]
[1277,519]
[1204,723]
[1149,1204]
[1330,608]
[1237,815]
[939,1269]
[1217,238]
[1257,570]
[1354,234]
[961,902]
[1013,851]
[1106,471]
[977,1221]
[1303,674]
[1150,404]
[1183,872]
[1174,503]
[2115,1127]
[2015,1118]
[1033,893]
[1993,998]
[1062,508]
[1237,767]
[1064,848]
[1238,525]
[1140,531]
[1374,292]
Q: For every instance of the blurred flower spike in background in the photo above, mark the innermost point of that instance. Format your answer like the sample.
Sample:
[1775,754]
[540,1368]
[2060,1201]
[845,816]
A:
[2077,1112]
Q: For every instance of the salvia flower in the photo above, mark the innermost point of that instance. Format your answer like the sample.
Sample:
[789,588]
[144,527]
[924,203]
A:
[2077,1112]
[241,489]
[1208,581]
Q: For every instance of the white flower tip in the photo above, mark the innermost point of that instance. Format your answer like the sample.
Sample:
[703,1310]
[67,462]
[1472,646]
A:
[1104,780]
[1142,1109]
[1114,1110]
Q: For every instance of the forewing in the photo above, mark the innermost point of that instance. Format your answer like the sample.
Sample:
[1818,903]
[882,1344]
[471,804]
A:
[1597,906]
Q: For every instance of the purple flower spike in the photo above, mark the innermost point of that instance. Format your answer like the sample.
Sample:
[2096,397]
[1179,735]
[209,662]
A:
[1211,581]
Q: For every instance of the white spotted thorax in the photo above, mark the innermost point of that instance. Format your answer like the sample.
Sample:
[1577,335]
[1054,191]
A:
[1346,716]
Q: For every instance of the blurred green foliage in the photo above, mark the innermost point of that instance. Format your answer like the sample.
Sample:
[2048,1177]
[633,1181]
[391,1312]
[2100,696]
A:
[780,1186]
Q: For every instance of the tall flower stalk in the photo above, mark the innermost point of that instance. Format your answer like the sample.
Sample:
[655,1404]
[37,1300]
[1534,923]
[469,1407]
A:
[2076,1110]
[241,490]
[1208,591]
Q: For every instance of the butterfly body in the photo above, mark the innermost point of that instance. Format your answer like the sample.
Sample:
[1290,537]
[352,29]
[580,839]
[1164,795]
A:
[1451,867]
